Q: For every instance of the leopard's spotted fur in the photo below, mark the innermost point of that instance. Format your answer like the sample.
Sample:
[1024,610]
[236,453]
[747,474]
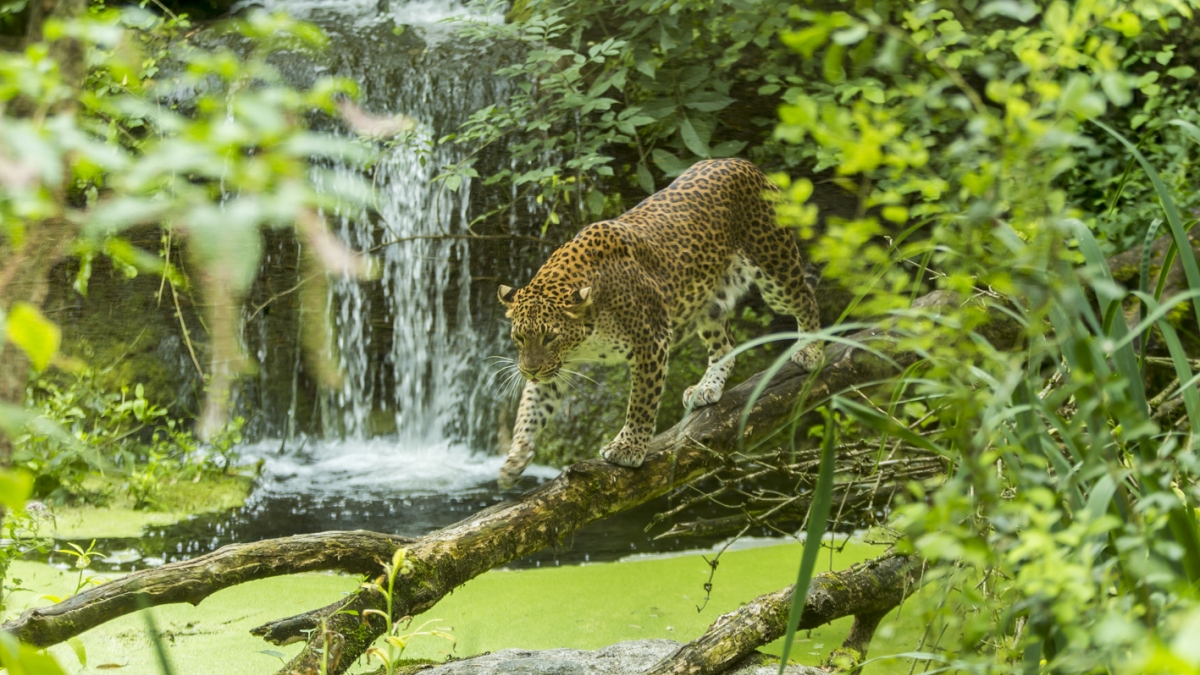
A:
[622,289]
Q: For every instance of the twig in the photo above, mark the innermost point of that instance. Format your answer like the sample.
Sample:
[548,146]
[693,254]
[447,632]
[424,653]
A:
[187,337]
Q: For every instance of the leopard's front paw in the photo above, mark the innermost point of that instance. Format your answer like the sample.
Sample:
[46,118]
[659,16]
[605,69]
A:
[700,395]
[810,356]
[514,466]
[624,452]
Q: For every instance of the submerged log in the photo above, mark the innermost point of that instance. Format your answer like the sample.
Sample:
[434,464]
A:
[584,493]
[867,591]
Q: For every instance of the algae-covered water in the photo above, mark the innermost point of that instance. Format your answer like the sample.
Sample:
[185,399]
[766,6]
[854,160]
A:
[581,606]
[378,484]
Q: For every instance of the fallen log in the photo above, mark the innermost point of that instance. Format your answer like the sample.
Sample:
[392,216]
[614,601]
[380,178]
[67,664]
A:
[357,552]
[591,490]
[584,493]
[867,591]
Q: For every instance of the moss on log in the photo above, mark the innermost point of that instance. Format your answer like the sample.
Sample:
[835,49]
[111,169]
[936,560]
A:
[591,490]
[584,493]
[191,581]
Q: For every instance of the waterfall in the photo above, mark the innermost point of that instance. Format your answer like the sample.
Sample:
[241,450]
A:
[426,280]
[410,351]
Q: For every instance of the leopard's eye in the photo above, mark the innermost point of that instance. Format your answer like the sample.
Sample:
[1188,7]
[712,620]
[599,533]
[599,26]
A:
[550,337]
[518,338]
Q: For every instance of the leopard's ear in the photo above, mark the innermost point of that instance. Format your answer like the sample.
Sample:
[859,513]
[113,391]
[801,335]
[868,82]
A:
[582,299]
[506,294]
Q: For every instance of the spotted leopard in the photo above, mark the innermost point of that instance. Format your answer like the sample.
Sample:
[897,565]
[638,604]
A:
[623,289]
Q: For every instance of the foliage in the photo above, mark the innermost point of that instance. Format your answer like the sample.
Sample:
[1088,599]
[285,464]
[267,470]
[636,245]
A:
[207,141]
[616,98]
[22,535]
[985,145]
[112,438]
[395,639]
[609,95]
[1065,538]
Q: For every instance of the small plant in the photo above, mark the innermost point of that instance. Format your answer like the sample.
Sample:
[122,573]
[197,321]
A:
[22,535]
[83,560]
[223,455]
[395,640]
[122,438]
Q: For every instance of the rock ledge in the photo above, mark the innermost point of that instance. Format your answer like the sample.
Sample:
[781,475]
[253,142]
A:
[624,658]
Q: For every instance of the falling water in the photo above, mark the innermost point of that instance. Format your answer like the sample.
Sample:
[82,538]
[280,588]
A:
[409,351]
[425,278]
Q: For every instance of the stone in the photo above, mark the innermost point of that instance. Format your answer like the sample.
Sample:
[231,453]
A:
[624,658]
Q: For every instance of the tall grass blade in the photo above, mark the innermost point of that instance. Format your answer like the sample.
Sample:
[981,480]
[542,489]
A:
[885,425]
[1188,128]
[818,518]
[160,652]
[1190,269]
[1144,278]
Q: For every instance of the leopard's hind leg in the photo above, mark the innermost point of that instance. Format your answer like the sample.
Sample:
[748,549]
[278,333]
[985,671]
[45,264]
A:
[780,277]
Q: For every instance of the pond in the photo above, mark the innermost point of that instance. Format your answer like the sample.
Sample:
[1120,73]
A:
[384,485]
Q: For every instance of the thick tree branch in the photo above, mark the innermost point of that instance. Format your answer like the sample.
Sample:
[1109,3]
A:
[443,560]
[592,490]
[867,591]
[191,581]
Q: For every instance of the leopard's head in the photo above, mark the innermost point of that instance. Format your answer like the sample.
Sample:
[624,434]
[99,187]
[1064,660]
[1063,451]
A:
[545,329]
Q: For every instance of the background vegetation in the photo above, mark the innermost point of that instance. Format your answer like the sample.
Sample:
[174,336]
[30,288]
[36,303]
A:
[998,150]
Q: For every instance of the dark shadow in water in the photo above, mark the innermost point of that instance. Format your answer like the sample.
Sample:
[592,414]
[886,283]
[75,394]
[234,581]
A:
[268,515]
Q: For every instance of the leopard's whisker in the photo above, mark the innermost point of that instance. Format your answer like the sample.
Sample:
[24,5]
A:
[514,383]
[504,377]
[502,370]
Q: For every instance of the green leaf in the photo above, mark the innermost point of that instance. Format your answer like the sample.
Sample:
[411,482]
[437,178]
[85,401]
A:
[1116,88]
[76,646]
[670,164]
[21,659]
[644,63]
[645,179]
[806,41]
[1182,72]
[850,36]
[15,488]
[1021,11]
[832,66]
[36,335]
[595,202]
[692,140]
[727,148]
[707,101]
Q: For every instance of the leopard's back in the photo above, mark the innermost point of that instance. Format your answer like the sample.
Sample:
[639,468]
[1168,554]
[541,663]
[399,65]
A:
[699,236]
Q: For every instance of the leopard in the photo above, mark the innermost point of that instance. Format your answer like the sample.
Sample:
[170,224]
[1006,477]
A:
[626,290]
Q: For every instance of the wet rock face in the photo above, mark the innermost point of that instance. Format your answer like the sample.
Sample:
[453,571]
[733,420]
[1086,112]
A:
[624,658]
